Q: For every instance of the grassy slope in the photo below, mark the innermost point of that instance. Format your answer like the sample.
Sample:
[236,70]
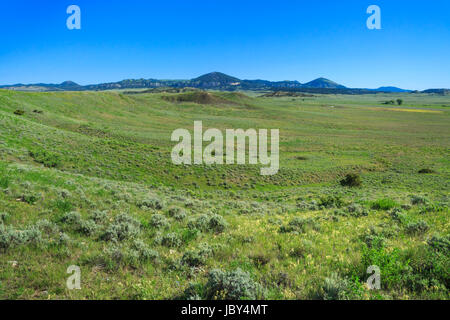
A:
[114,151]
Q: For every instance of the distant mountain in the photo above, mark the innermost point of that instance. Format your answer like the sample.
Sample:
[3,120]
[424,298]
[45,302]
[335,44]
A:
[438,91]
[216,77]
[323,83]
[64,86]
[217,81]
[214,80]
[391,89]
[70,86]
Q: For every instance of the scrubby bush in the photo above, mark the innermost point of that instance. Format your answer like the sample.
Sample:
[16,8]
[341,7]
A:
[177,213]
[331,201]
[217,223]
[72,218]
[426,171]
[384,204]
[351,180]
[418,199]
[231,285]
[333,288]
[440,243]
[3,217]
[208,222]
[143,251]
[393,266]
[63,205]
[374,240]
[418,227]
[171,240]
[429,271]
[63,238]
[196,258]
[190,234]
[159,221]
[87,227]
[299,225]
[10,237]
[151,203]
[19,112]
[47,227]
[4,182]
[398,214]
[124,227]
[135,254]
[357,210]
[30,198]
[432,207]
[99,216]
[308,206]
[47,158]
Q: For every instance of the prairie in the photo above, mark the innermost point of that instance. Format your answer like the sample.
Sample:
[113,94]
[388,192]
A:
[86,179]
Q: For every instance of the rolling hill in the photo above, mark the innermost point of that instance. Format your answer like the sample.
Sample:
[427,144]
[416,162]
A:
[215,81]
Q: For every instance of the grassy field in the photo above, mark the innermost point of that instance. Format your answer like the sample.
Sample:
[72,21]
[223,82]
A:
[86,179]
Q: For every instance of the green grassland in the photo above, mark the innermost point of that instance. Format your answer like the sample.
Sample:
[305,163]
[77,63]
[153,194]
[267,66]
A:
[86,179]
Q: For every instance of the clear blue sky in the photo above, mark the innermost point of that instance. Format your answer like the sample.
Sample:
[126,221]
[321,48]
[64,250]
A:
[274,40]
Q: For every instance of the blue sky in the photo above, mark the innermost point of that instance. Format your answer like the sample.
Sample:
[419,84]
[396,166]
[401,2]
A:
[274,40]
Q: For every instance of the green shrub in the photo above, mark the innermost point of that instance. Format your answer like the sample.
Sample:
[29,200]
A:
[4,182]
[390,263]
[374,240]
[299,225]
[47,158]
[72,218]
[190,234]
[432,207]
[331,201]
[357,210]
[144,252]
[151,203]
[159,221]
[87,227]
[63,205]
[217,223]
[177,213]
[398,214]
[196,258]
[429,271]
[99,216]
[208,222]
[418,227]
[171,240]
[47,227]
[333,288]
[351,180]
[10,237]
[30,198]
[123,228]
[232,285]
[418,199]
[19,112]
[440,243]
[308,206]
[426,171]
[384,204]
[3,217]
